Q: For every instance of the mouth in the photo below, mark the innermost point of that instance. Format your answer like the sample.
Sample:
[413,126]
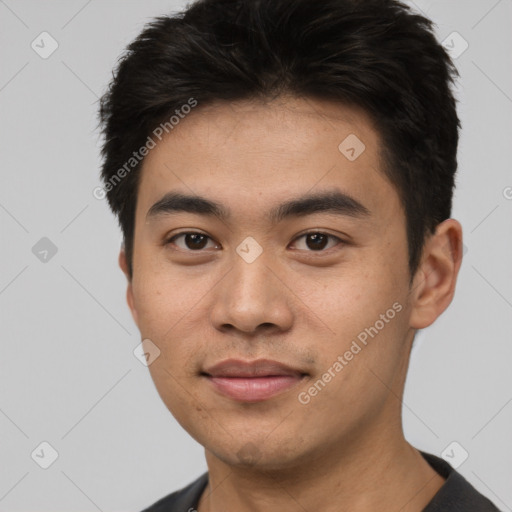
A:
[252,381]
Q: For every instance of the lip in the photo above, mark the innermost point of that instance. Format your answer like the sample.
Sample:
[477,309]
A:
[252,381]
[256,368]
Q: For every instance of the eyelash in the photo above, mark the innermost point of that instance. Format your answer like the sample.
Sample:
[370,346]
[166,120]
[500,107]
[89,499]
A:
[171,240]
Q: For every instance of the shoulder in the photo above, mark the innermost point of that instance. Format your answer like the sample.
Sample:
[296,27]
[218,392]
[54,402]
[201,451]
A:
[457,494]
[182,500]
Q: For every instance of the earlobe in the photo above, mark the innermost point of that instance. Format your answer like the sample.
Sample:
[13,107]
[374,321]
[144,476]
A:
[123,264]
[434,283]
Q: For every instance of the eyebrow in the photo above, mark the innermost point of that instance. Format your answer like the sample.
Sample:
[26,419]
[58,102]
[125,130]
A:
[330,202]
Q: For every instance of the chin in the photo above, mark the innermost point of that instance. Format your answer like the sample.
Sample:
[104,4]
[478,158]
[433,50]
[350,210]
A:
[263,455]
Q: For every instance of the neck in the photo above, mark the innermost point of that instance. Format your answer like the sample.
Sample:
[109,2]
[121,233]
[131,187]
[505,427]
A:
[366,476]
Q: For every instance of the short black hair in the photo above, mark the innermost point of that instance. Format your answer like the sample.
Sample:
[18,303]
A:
[374,54]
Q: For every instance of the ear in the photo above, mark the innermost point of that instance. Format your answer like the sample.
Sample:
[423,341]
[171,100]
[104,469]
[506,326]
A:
[123,263]
[434,282]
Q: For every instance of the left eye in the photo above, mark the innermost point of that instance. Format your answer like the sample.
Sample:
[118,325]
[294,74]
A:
[317,241]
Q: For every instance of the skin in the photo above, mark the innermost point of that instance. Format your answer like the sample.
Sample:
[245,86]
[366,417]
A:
[345,449]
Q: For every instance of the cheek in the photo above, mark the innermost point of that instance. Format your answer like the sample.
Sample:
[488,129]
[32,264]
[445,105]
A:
[164,318]
[350,302]
[171,314]
[366,313]
[162,299]
[152,304]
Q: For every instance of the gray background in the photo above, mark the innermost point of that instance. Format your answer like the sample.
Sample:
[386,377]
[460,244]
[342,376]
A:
[68,375]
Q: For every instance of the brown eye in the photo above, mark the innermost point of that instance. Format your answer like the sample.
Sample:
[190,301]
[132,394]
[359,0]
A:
[191,241]
[316,241]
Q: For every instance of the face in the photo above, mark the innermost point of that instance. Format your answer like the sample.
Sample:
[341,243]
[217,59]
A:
[320,285]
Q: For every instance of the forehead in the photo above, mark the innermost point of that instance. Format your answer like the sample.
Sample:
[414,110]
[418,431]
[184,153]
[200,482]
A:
[263,150]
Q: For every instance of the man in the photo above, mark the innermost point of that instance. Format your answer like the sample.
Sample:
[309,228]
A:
[283,171]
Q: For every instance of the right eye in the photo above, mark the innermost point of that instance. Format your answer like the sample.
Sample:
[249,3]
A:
[192,241]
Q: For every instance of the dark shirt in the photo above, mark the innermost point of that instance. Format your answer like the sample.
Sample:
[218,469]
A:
[456,494]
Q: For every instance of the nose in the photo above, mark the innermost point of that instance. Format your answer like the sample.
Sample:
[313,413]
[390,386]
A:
[252,297]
